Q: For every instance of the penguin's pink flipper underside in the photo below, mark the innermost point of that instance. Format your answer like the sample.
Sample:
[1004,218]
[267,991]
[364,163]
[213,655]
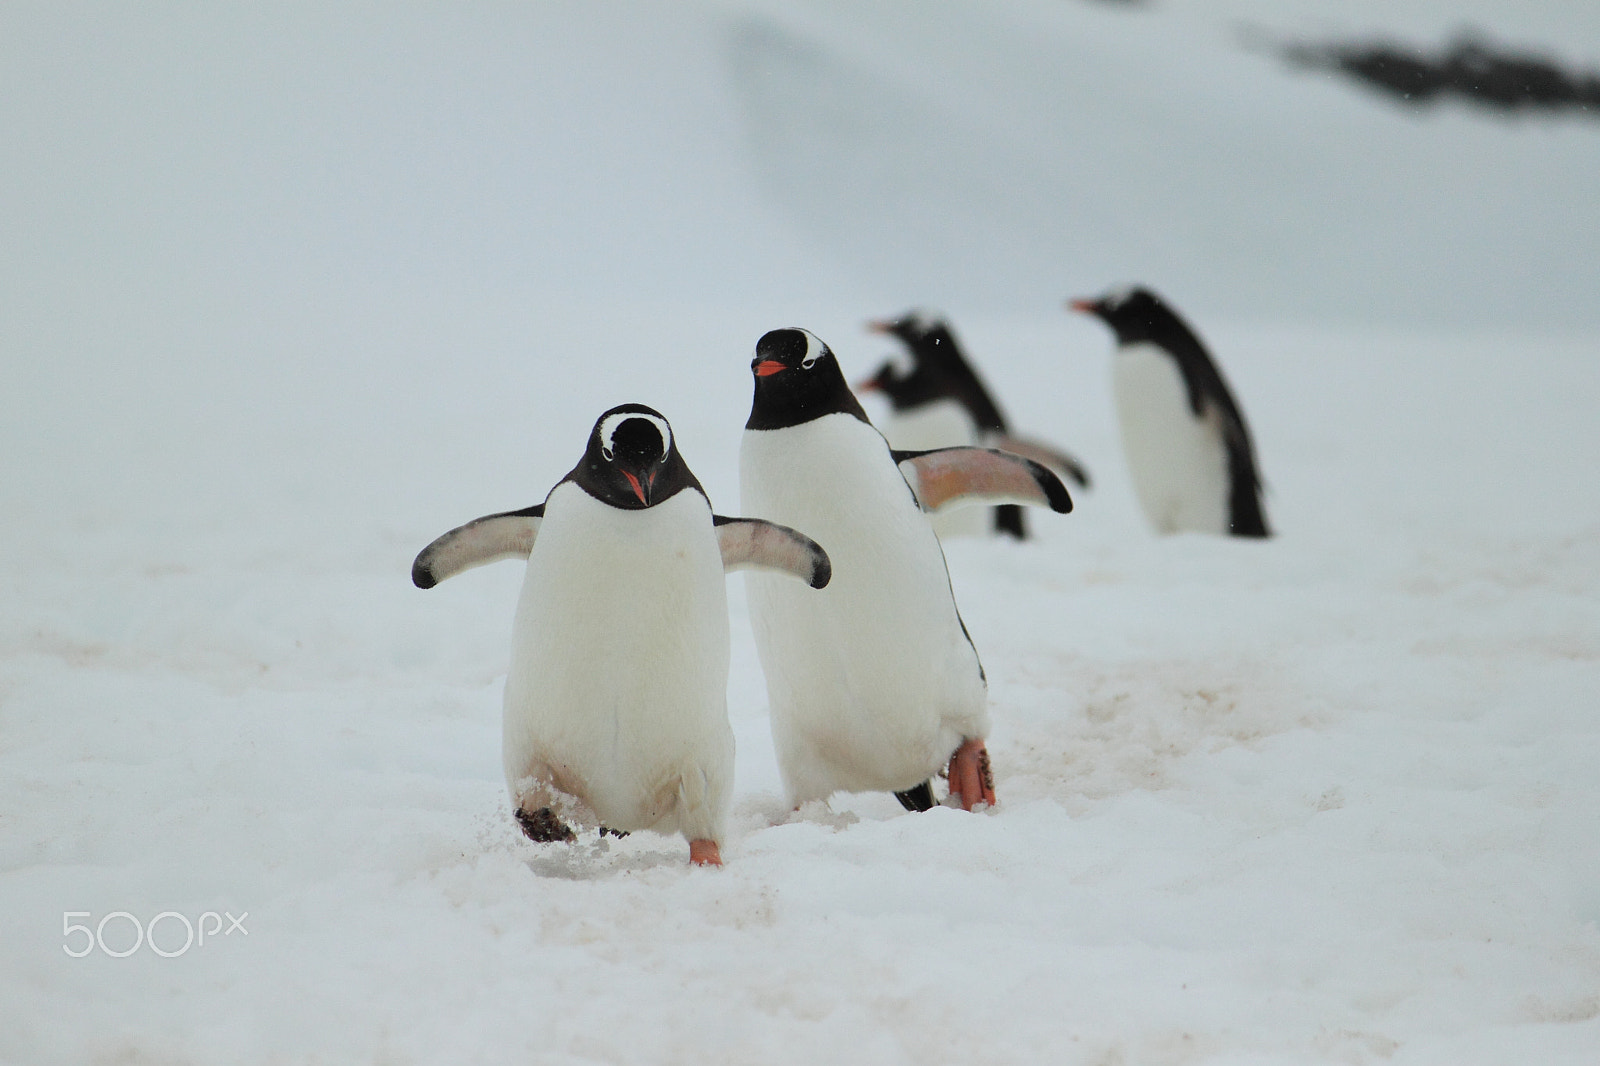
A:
[483,540]
[956,477]
[752,544]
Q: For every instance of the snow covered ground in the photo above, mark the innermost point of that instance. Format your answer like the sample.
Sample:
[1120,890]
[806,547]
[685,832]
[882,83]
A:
[284,295]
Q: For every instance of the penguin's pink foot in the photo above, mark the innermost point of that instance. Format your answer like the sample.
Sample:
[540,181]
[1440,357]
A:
[705,853]
[970,777]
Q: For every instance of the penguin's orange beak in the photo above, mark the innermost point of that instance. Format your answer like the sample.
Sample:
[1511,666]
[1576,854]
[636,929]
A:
[877,326]
[641,488]
[1083,306]
[768,367]
[869,385]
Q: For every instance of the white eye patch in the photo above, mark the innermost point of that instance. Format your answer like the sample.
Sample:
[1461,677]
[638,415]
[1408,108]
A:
[611,423]
[1118,296]
[815,350]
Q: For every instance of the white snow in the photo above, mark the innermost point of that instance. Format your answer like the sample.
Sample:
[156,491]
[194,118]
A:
[286,293]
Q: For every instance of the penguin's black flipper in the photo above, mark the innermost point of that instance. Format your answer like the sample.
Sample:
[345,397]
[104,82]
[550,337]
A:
[509,535]
[754,544]
[917,799]
[952,477]
[1039,452]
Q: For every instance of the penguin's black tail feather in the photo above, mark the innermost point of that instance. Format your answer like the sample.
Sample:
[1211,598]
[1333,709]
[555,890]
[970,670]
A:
[917,799]
[1008,519]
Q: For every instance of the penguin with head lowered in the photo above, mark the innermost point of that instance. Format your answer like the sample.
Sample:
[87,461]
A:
[616,699]
[873,683]
[937,400]
[1189,451]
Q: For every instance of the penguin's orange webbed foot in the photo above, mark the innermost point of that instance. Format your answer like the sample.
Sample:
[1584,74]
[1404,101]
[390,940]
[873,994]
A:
[970,776]
[705,853]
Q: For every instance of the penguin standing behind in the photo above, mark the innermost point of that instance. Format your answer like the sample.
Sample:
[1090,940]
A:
[1188,448]
[874,684]
[616,700]
[938,401]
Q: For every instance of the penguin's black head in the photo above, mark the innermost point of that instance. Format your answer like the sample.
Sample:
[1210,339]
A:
[1134,314]
[632,461]
[908,328]
[797,379]
[929,339]
[915,376]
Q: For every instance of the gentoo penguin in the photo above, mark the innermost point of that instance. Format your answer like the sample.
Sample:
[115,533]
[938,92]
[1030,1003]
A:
[873,683]
[1188,447]
[615,704]
[938,401]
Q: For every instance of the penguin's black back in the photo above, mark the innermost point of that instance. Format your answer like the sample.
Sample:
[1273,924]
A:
[1245,515]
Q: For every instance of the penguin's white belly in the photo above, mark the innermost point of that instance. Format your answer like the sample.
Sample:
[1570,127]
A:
[1178,462]
[941,424]
[617,692]
[872,682]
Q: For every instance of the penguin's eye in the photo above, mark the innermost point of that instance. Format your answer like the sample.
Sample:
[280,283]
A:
[808,362]
[608,453]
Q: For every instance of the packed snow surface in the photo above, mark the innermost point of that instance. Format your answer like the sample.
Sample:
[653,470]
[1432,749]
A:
[286,293]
